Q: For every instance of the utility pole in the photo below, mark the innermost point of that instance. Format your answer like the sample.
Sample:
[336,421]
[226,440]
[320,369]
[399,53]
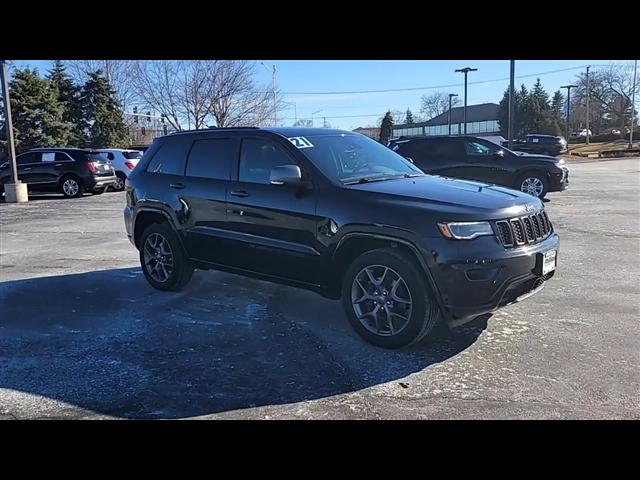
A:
[324,122]
[588,94]
[512,95]
[317,111]
[465,70]
[568,87]
[273,88]
[451,95]
[633,102]
[16,191]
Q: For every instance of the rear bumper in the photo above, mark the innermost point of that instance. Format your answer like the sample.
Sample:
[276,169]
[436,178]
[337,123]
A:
[481,276]
[99,182]
[128,223]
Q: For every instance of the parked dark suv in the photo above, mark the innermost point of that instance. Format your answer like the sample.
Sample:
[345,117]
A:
[70,171]
[340,214]
[544,144]
[479,159]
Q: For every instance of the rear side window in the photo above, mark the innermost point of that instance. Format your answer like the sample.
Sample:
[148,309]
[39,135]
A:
[132,155]
[212,158]
[169,159]
[443,148]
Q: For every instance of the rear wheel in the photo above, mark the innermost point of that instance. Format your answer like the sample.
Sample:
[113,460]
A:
[387,299]
[163,261]
[118,186]
[71,186]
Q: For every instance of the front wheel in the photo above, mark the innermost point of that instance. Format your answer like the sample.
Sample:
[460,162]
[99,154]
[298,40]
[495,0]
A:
[532,183]
[387,299]
[162,258]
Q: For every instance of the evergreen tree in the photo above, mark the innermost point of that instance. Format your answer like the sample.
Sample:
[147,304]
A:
[36,112]
[102,112]
[409,117]
[68,94]
[557,112]
[386,128]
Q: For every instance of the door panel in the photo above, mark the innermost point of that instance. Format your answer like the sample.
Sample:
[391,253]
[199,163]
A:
[274,226]
[483,164]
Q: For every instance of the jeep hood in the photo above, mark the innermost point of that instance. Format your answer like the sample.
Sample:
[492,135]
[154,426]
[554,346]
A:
[453,195]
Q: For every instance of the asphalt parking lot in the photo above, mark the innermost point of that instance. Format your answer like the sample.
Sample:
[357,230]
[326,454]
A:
[82,334]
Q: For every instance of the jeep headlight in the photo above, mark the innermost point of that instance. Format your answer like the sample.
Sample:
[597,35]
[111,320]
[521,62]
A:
[464,230]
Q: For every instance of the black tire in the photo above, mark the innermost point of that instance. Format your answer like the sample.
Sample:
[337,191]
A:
[122,177]
[98,192]
[71,192]
[182,268]
[425,312]
[536,175]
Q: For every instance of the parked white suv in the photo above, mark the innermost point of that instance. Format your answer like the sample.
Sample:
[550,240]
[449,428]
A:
[123,162]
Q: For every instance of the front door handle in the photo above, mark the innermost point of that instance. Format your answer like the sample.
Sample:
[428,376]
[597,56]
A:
[177,186]
[26,169]
[240,193]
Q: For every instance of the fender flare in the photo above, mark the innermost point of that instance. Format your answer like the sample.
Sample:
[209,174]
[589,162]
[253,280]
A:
[407,243]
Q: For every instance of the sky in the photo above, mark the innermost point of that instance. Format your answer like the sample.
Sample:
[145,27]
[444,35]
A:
[302,80]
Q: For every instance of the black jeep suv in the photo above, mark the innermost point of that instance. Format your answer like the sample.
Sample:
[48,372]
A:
[544,144]
[340,214]
[479,159]
[70,171]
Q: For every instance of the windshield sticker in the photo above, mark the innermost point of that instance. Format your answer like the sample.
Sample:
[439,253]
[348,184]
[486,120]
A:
[301,142]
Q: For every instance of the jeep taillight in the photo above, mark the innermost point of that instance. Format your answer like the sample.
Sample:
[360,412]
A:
[92,166]
[129,165]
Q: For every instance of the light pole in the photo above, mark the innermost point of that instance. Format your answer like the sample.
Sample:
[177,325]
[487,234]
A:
[512,94]
[465,70]
[568,87]
[588,94]
[16,191]
[317,111]
[273,87]
[451,95]
[633,102]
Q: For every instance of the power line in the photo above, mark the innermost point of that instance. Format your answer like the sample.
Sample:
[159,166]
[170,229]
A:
[479,82]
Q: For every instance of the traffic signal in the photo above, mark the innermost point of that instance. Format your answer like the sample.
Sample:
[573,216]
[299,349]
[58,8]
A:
[149,117]
[135,114]
[143,131]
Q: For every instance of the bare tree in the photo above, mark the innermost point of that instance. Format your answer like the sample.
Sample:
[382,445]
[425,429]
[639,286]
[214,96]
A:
[118,73]
[436,104]
[237,100]
[160,85]
[611,92]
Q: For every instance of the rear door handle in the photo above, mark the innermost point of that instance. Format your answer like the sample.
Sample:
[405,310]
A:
[26,169]
[240,193]
[177,186]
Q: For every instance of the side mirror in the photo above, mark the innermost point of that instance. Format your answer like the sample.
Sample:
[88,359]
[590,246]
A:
[410,159]
[286,175]
[499,153]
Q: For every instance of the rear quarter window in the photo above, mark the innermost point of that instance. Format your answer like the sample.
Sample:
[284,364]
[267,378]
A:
[170,157]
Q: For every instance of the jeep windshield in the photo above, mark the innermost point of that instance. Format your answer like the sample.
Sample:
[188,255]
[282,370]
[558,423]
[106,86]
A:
[350,159]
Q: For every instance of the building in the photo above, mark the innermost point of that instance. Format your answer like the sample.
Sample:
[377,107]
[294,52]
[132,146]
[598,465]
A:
[371,132]
[482,120]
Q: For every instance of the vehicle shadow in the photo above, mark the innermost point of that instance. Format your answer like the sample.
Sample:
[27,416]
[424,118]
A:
[107,342]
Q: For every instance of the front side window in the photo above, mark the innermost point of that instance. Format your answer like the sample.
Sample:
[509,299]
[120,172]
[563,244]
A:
[475,148]
[348,158]
[29,158]
[258,157]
